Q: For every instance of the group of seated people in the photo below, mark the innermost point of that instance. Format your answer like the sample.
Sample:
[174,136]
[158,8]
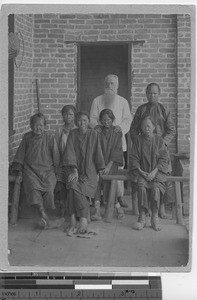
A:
[70,162]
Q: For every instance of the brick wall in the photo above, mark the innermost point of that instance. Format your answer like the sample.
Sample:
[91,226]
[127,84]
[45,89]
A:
[55,61]
[23,77]
[183,81]
[155,61]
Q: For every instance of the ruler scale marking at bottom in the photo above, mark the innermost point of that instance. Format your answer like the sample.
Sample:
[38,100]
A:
[56,286]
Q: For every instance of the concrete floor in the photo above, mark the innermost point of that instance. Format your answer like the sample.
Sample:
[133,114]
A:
[116,244]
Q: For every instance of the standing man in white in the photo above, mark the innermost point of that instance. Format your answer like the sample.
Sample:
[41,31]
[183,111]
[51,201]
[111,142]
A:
[120,108]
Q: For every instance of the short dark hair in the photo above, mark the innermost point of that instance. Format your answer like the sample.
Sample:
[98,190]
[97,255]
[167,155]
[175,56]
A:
[152,84]
[36,117]
[82,113]
[148,117]
[68,107]
[108,112]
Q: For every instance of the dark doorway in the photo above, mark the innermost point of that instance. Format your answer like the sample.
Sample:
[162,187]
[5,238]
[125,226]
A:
[95,62]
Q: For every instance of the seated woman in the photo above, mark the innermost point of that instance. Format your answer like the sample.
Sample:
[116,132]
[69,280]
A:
[111,144]
[82,161]
[149,166]
[38,159]
[61,136]
[164,126]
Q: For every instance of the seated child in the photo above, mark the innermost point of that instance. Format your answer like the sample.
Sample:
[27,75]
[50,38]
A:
[149,166]
[61,136]
[111,144]
[37,157]
[82,161]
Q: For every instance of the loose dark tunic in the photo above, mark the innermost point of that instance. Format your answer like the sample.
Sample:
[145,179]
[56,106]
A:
[84,153]
[111,145]
[39,157]
[164,123]
[149,154]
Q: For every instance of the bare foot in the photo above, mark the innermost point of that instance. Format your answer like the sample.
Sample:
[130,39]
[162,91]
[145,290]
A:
[141,222]
[83,226]
[138,226]
[162,213]
[71,231]
[155,222]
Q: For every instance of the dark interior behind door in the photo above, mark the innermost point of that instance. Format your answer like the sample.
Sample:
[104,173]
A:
[97,61]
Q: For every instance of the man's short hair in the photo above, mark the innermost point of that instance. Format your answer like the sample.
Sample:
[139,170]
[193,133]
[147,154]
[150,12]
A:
[148,117]
[153,84]
[112,75]
[36,117]
[68,107]
[79,114]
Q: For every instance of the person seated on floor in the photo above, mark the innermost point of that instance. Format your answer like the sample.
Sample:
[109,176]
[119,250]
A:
[61,135]
[111,144]
[82,161]
[149,167]
[38,159]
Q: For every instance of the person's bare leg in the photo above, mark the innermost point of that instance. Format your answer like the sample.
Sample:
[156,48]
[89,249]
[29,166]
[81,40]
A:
[72,226]
[97,215]
[155,219]
[162,212]
[120,211]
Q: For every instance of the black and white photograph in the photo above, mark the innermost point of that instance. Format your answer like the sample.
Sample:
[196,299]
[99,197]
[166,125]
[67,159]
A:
[100,136]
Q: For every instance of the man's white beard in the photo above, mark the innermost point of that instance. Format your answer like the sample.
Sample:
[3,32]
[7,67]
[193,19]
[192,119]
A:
[109,99]
[110,92]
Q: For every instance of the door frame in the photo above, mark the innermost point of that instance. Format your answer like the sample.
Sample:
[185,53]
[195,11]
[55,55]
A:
[103,43]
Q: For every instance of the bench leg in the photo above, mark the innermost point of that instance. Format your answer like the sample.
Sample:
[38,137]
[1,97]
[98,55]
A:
[110,202]
[15,201]
[178,203]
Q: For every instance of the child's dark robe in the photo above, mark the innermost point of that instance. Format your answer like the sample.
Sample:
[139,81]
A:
[83,151]
[111,145]
[39,158]
[148,154]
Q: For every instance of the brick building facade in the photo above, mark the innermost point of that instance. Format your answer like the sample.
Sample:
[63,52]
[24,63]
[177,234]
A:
[158,49]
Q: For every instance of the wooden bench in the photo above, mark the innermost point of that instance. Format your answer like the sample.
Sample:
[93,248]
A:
[15,198]
[176,180]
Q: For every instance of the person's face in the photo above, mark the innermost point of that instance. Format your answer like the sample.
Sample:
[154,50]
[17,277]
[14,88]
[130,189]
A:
[153,94]
[83,123]
[111,86]
[38,127]
[68,117]
[106,121]
[147,127]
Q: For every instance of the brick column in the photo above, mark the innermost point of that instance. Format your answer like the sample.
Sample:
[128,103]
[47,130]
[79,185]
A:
[183,82]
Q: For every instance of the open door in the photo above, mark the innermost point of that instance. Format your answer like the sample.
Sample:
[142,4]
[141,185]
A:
[95,62]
